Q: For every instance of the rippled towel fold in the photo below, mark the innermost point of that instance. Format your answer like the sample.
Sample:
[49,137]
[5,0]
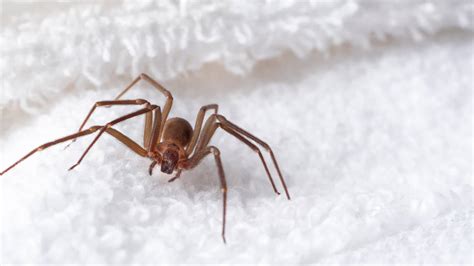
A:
[373,131]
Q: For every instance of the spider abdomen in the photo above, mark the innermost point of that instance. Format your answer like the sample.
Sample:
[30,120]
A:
[177,130]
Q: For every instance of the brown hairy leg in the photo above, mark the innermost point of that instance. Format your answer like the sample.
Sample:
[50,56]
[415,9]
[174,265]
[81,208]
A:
[198,125]
[115,133]
[235,128]
[110,124]
[159,87]
[148,119]
[154,137]
[196,159]
[52,143]
[208,132]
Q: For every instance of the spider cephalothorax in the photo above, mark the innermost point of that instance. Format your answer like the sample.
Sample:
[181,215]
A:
[169,160]
[172,143]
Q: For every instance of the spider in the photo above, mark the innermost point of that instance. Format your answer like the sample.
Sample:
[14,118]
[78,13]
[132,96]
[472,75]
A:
[171,143]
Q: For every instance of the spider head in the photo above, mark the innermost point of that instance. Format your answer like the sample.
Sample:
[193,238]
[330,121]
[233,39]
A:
[169,160]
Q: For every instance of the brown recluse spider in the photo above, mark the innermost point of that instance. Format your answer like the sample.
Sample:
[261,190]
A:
[171,143]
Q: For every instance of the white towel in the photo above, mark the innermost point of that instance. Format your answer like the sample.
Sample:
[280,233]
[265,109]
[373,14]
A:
[366,104]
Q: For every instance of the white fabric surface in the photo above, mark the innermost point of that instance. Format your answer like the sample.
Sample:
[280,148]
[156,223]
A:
[367,105]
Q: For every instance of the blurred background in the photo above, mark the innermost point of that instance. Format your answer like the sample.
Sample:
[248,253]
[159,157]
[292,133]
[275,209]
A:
[366,104]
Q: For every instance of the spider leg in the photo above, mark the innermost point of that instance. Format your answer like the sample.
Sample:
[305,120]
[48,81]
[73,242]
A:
[198,125]
[110,124]
[158,86]
[127,141]
[150,168]
[178,174]
[196,159]
[52,143]
[155,131]
[255,149]
[148,119]
[231,126]
[208,132]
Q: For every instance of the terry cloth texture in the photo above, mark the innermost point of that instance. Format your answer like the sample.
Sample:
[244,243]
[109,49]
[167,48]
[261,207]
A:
[366,104]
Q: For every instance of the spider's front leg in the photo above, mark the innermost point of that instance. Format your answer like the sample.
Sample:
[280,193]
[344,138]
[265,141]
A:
[195,160]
